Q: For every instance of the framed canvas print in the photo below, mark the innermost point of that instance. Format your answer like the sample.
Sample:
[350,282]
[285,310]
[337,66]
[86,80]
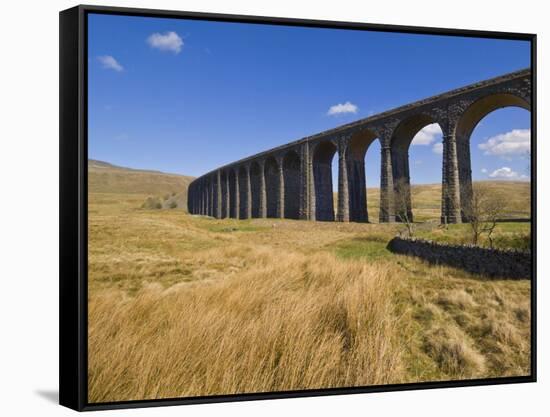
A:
[257,207]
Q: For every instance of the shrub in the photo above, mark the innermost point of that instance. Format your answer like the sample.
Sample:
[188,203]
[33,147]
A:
[152,203]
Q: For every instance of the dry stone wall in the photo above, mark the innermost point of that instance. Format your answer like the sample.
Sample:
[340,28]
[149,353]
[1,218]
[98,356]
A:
[495,263]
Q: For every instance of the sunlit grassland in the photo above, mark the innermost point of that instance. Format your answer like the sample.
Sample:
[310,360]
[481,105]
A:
[183,305]
[426,200]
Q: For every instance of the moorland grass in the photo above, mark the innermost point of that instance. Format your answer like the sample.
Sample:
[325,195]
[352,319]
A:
[183,305]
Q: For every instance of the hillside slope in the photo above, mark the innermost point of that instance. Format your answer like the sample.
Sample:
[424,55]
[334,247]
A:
[170,190]
[426,199]
[107,178]
[104,177]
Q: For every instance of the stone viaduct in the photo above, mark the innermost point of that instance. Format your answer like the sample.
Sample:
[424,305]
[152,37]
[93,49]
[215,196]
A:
[294,181]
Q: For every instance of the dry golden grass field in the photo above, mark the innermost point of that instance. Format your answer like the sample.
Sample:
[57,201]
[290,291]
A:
[183,305]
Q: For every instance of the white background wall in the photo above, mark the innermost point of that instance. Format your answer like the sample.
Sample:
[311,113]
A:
[29,206]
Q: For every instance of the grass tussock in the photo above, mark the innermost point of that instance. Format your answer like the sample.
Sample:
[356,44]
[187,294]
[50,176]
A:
[299,323]
[459,327]
[454,353]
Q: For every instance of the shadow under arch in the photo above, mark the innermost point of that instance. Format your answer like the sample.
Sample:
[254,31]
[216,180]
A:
[243,193]
[256,188]
[207,197]
[271,172]
[291,175]
[224,177]
[466,124]
[323,199]
[233,194]
[357,182]
[400,143]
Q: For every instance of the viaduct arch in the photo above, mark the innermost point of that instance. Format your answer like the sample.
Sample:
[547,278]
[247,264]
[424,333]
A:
[295,180]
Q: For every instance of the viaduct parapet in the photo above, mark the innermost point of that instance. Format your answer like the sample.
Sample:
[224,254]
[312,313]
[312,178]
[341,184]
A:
[294,181]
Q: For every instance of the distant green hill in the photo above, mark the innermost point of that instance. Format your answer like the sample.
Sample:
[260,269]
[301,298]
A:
[104,177]
[426,199]
[171,189]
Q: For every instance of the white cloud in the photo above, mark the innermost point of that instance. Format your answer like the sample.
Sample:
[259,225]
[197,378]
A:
[506,173]
[427,135]
[484,170]
[108,62]
[438,148]
[340,108]
[169,41]
[514,142]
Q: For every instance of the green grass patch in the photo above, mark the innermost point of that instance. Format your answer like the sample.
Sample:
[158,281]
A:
[233,226]
[507,235]
[361,247]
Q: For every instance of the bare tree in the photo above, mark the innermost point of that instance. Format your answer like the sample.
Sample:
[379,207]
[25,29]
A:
[401,203]
[483,212]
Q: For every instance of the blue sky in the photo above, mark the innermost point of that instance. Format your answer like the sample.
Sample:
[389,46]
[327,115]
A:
[188,96]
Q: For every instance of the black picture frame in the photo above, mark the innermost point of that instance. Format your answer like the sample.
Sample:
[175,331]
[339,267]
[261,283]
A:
[73,368]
